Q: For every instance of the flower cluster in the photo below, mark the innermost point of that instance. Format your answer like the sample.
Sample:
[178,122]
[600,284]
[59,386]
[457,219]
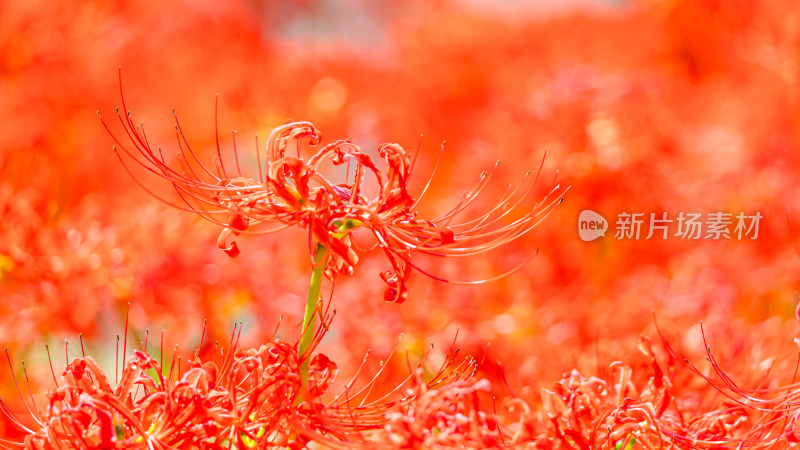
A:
[291,191]
[251,398]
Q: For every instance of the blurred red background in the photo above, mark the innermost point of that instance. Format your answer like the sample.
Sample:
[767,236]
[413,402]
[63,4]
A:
[644,107]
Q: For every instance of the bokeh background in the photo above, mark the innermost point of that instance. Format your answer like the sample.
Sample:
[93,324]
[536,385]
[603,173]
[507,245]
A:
[642,106]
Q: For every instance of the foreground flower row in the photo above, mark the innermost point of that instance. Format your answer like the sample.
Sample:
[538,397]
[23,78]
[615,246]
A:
[254,398]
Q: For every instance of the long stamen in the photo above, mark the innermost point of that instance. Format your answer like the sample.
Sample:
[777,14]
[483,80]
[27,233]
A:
[125,341]
[50,360]
[16,384]
[202,335]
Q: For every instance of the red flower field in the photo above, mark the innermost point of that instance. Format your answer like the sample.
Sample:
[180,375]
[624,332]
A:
[627,276]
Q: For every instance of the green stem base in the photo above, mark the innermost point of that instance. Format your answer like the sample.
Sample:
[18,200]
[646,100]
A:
[310,315]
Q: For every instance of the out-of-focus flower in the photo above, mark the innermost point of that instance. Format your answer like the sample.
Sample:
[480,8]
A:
[446,417]
[291,191]
[591,411]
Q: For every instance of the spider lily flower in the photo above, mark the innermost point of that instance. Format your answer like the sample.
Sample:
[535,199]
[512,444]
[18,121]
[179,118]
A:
[241,397]
[291,191]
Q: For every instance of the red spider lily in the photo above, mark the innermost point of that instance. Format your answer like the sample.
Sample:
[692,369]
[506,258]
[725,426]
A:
[664,411]
[447,417]
[290,191]
[247,398]
[761,417]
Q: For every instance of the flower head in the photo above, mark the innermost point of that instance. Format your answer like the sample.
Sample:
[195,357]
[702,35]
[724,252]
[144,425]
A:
[291,191]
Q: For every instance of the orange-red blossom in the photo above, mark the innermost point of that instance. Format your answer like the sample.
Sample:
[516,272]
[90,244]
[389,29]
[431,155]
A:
[246,398]
[290,191]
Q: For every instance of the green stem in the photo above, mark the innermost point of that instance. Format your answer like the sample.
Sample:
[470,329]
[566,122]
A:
[321,257]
